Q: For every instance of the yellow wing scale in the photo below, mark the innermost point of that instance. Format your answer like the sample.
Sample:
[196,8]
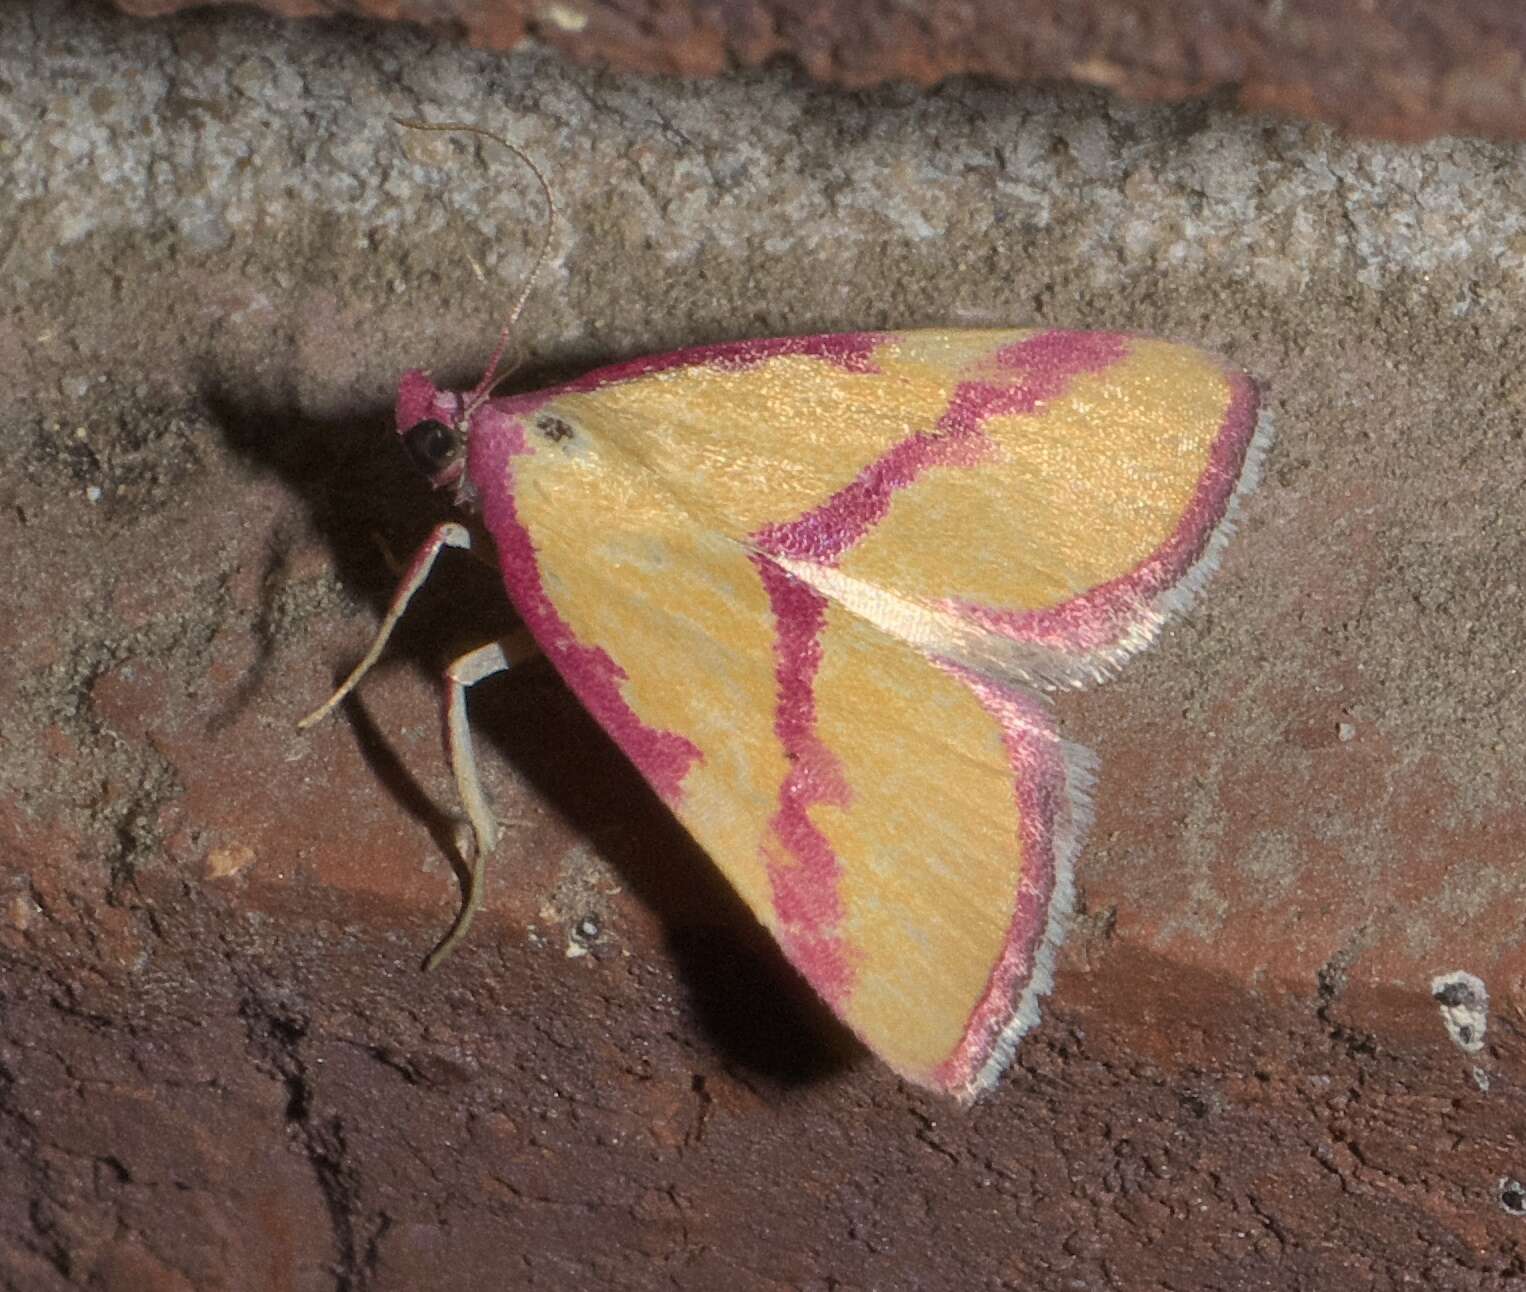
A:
[806,584]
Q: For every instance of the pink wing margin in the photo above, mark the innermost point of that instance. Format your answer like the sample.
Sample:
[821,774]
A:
[1053,777]
[1053,788]
[1087,638]
[1071,644]
[1004,653]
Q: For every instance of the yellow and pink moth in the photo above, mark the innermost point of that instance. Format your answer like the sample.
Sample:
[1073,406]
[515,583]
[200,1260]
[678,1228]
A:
[815,587]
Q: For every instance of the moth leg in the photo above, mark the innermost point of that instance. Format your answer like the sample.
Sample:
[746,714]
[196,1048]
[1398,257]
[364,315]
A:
[471,668]
[450,534]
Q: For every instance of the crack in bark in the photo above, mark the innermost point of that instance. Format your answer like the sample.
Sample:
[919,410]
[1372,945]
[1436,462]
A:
[276,1033]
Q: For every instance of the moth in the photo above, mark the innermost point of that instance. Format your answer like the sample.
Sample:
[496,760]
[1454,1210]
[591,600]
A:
[816,589]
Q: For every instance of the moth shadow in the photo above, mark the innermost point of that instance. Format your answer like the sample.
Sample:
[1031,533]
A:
[361,496]
[364,503]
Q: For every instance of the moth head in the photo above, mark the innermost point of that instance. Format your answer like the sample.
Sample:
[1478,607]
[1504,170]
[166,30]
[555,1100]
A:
[433,426]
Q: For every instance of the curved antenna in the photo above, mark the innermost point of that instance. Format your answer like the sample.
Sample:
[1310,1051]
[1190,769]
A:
[490,375]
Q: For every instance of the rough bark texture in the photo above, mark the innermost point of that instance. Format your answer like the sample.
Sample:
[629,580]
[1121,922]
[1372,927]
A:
[1388,67]
[219,1065]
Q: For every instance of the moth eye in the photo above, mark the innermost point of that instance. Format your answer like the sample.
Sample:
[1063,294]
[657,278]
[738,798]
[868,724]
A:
[432,445]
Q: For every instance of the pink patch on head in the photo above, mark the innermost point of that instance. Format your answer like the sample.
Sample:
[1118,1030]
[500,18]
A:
[1035,755]
[1042,367]
[1100,617]
[806,900]
[663,757]
[417,399]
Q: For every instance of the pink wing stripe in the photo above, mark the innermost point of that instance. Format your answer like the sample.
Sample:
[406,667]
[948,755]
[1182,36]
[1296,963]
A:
[1095,619]
[1042,365]
[1035,753]
[806,899]
[664,757]
[806,887]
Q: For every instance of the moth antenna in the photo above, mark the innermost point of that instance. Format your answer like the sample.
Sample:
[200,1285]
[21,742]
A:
[490,375]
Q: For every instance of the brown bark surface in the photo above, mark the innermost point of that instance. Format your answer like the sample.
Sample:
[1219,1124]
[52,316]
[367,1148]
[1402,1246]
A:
[1386,67]
[220,1067]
